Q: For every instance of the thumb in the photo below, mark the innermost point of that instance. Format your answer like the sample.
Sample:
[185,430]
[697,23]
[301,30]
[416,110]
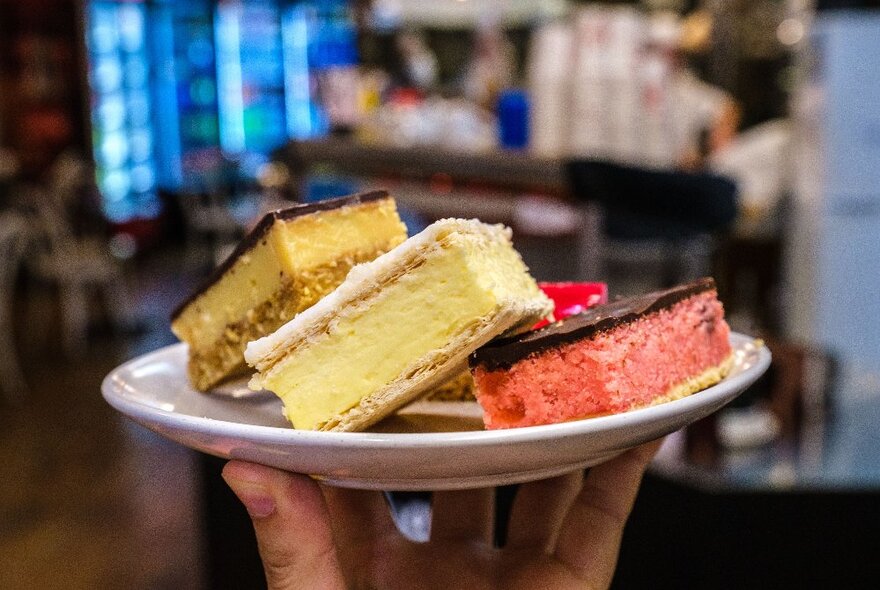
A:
[292,526]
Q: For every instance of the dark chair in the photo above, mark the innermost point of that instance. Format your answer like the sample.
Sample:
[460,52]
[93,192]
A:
[14,237]
[668,220]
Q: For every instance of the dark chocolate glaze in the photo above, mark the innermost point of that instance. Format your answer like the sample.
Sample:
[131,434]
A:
[262,228]
[504,352]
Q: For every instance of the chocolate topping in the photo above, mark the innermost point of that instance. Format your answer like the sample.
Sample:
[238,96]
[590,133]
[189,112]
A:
[262,228]
[504,352]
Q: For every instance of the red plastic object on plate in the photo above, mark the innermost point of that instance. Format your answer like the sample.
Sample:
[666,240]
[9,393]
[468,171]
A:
[572,298]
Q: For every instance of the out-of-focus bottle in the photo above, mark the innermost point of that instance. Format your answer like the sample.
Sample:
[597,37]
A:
[513,118]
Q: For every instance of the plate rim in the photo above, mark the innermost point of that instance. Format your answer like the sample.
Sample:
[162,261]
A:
[113,390]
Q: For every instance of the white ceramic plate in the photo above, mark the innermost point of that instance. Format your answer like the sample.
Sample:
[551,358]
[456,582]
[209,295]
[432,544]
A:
[153,390]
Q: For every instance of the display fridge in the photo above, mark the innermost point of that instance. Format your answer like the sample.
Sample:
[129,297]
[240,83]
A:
[181,91]
[122,108]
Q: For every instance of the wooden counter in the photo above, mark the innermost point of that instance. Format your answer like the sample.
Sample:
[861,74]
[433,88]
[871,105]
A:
[516,171]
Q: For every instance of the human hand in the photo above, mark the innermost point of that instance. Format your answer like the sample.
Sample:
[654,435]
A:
[564,532]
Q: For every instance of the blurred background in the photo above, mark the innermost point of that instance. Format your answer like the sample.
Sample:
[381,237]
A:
[637,143]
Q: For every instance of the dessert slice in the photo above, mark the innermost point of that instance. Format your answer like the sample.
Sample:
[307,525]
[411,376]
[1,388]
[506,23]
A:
[611,358]
[292,258]
[398,326]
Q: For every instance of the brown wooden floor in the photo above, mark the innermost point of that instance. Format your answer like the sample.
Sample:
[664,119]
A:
[89,499]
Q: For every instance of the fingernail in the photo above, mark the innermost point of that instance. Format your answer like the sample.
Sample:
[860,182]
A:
[257,500]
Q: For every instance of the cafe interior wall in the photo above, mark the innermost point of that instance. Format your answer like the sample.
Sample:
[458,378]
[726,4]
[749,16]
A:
[833,258]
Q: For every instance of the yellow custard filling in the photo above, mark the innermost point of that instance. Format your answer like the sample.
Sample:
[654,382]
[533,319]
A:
[393,331]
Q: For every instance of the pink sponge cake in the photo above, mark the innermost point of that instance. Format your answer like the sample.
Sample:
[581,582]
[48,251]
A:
[627,354]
